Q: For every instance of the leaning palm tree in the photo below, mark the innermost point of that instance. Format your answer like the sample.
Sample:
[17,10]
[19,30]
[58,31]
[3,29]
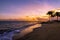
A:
[57,14]
[50,13]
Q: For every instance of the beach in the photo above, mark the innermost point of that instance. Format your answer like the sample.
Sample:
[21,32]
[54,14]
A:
[8,29]
[26,31]
[49,31]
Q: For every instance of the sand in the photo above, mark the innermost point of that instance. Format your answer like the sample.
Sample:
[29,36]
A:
[26,31]
[49,31]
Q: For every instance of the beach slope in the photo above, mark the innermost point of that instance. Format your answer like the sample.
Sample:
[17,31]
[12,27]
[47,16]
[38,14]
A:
[49,31]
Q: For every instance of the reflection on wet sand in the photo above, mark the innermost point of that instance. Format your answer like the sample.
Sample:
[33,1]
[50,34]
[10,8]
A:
[27,30]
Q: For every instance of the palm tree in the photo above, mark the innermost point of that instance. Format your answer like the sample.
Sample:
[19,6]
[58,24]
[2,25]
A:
[57,14]
[50,13]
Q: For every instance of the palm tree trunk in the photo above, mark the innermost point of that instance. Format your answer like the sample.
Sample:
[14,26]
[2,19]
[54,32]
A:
[49,18]
[57,18]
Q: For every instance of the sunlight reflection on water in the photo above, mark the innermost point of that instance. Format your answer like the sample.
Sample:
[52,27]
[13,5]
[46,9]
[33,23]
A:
[27,30]
[16,30]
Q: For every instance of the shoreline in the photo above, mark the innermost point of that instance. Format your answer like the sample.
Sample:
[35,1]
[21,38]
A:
[46,32]
[27,31]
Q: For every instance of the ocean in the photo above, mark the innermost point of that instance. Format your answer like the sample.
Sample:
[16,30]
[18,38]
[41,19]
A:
[8,29]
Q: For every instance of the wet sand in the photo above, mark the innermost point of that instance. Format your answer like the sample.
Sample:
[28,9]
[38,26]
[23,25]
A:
[45,32]
[26,31]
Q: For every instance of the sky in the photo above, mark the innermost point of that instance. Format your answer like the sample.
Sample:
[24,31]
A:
[20,8]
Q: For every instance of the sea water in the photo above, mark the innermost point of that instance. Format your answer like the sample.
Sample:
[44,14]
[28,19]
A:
[10,28]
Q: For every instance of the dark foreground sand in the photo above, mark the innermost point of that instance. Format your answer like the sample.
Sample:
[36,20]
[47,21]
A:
[46,32]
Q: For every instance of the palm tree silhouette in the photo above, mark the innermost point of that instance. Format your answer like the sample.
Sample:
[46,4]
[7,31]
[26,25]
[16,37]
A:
[50,13]
[57,14]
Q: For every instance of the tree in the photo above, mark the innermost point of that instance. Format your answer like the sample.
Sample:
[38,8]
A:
[57,14]
[50,13]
